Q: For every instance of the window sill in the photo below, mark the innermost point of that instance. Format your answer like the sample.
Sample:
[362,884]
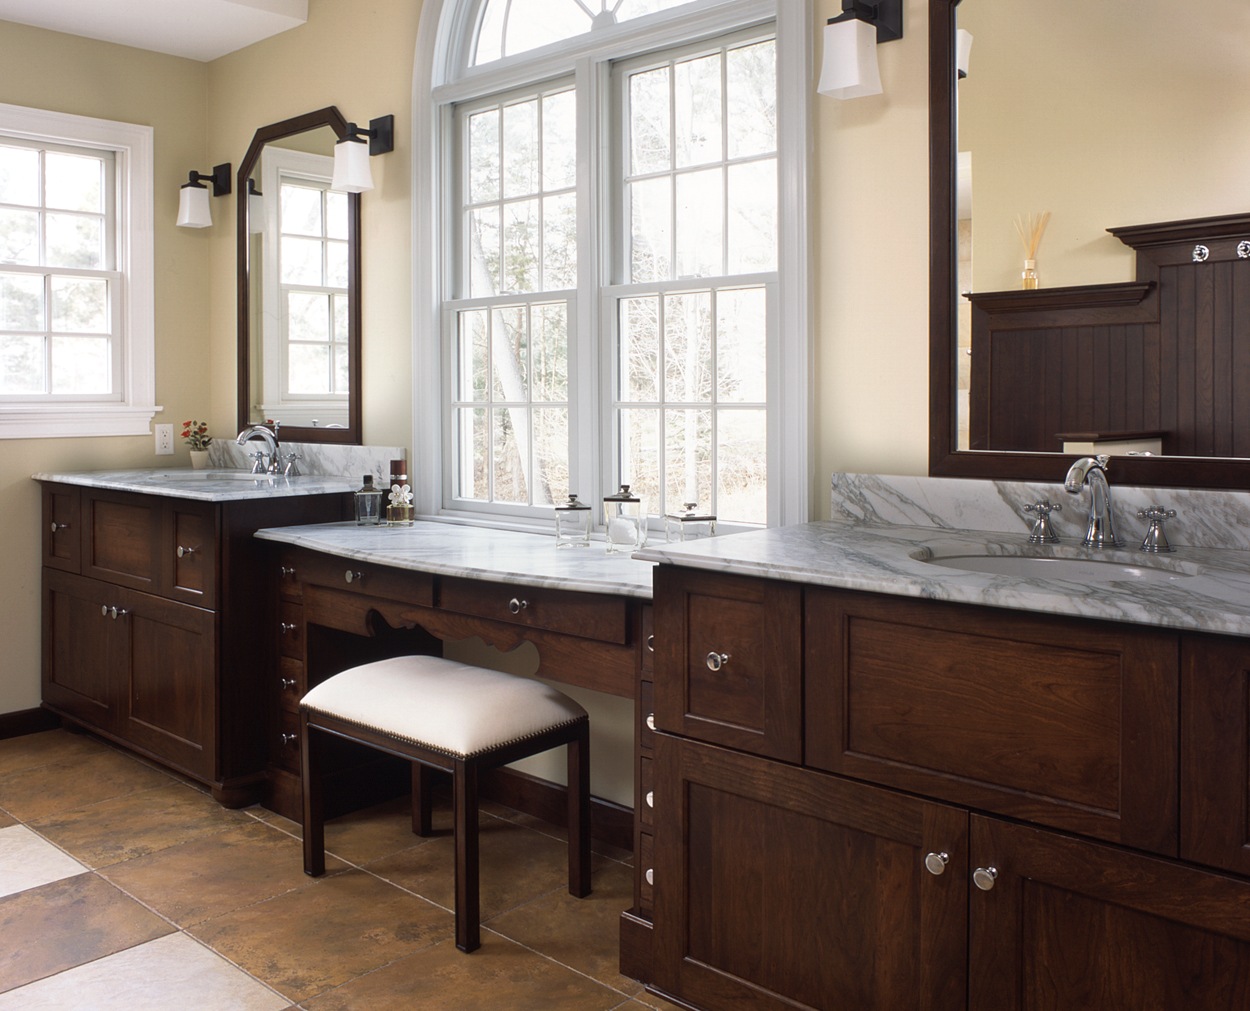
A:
[66,421]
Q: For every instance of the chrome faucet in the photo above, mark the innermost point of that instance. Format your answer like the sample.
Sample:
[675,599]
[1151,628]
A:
[1092,471]
[268,460]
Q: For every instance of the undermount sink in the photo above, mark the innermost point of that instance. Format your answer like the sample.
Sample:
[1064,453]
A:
[1079,567]
[207,475]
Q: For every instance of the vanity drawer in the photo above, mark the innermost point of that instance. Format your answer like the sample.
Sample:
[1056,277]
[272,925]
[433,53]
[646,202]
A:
[729,660]
[401,586]
[190,547]
[291,630]
[646,795]
[1069,723]
[646,715]
[284,750]
[291,682]
[645,875]
[586,615]
[62,528]
[646,653]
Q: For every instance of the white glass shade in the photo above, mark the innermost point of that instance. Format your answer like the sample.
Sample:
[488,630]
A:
[850,64]
[963,49]
[351,167]
[193,207]
[255,213]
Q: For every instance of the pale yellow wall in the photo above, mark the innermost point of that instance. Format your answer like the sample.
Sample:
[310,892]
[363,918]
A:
[870,265]
[48,70]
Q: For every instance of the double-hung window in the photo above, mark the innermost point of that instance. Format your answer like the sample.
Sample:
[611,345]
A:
[75,276]
[612,209]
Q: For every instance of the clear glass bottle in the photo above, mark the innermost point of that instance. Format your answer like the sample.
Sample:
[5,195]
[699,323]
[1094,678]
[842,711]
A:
[572,524]
[689,524]
[624,520]
[399,509]
[1028,276]
[368,503]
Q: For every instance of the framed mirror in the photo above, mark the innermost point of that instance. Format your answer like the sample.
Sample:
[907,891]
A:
[1111,118]
[298,284]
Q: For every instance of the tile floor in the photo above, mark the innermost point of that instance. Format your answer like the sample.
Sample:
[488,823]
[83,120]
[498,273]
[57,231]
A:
[124,887]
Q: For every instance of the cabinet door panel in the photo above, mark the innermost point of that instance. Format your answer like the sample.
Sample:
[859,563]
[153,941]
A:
[171,693]
[1074,924]
[729,660]
[123,539]
[82,648]
[781,887]
[62,527]
[1069,723]
[191,548]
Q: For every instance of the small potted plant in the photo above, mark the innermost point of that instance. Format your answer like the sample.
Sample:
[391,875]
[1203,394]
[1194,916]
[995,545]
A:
[195,434]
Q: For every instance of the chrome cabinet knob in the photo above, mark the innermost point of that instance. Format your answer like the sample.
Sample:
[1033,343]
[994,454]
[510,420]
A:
[58,526]
[984,878]
[715,661]
[288,684]
[935,863]
[112,612]
[286,626]
[183,552]
[517,606]
[650,721]
[651,644]
[651,798]
[354,577]
[289,739]
[285,571]
[650,875]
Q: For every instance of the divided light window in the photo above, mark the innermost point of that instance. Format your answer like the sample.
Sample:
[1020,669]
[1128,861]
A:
[60,299]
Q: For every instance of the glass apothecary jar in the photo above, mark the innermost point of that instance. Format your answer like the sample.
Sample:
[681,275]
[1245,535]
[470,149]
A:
[572,523]
[689,524]
[399,511]
[624,521]
[368,503]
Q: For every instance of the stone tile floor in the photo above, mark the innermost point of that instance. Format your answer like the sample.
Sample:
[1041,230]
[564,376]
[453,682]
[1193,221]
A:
[124,887]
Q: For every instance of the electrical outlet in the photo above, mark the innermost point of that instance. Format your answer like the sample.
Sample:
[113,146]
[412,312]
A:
[164,440]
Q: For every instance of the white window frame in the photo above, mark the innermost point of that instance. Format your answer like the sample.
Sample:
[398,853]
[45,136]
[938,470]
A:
[442,78]
[130,408]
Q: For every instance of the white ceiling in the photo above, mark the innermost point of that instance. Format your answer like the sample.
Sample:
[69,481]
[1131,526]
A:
[197,29]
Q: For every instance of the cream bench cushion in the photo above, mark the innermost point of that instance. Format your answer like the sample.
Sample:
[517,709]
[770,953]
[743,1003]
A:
[443,705]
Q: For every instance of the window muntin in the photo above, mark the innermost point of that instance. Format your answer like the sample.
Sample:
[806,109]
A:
[60,297]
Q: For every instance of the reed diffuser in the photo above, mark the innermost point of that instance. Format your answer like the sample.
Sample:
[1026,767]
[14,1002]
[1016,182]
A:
[1031,232]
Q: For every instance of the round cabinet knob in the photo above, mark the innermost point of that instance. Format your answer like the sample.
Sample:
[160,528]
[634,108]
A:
[185,552]
[517,606]
[353,577]
[650,644]
[984,878]
[650,798]
[715,661]
[650,721]
[935,863]
[286,626]
[288,684]
[58,526]
[650,875]
[104,610]
[290,738]
[285,571]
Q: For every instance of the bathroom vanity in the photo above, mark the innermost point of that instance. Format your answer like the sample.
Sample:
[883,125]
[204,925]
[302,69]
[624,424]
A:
[154,613]
[873,791]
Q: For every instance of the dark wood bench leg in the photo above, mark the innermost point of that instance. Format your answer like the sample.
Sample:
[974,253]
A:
[422,801]
[579,812]
[314,813]
[468,897]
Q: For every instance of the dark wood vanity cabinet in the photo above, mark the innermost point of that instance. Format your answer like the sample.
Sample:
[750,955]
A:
[977,808]
[154,630]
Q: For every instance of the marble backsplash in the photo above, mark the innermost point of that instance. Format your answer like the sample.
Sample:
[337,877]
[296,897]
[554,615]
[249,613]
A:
[1204,518]
[316,459]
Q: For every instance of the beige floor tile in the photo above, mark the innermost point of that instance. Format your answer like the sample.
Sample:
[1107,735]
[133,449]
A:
[27,860]
[67,923]
[47,748]
[170,972]
[499,975]
[42,791]
[516,865]
[207,877]
[136,824]
[333,929]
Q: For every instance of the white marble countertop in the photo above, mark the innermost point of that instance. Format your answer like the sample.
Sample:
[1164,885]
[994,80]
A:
[204,485]
[1199,588]
[501,556]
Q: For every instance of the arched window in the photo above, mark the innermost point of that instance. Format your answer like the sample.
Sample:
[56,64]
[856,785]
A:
[612,201]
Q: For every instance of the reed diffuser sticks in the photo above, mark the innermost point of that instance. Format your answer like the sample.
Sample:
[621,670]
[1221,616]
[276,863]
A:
[1031,232]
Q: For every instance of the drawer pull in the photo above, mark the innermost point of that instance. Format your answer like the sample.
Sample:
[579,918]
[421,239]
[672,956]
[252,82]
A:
[517,606]
[288,684]
[286,572]
[58,526]
[289,739]
[354,577]
[984,878]
[286,627]
[715,661]
[650,875]
[184,552]
[650,798]
[935,863]
[112,612]
[650,721]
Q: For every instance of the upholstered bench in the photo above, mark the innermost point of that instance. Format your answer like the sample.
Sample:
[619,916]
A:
[441,714]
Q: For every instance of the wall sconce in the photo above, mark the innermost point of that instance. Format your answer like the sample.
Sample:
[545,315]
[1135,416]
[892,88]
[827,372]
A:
[850,63]
[963,49]
[255,208]
[193,204]
[351,154]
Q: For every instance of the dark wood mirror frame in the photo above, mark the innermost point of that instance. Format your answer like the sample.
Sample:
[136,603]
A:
[945,459]
[352,434]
